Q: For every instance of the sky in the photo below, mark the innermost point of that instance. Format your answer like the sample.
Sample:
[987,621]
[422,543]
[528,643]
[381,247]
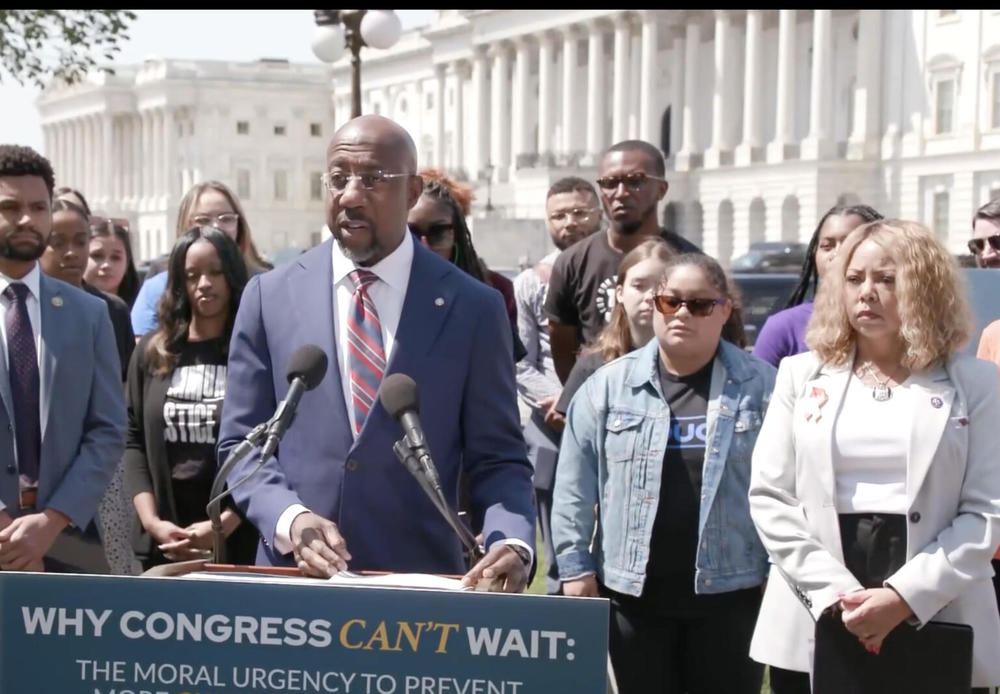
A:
[242,35]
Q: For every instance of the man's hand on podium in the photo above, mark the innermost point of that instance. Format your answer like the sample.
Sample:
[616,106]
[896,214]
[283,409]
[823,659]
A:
[319,548]
[503,565]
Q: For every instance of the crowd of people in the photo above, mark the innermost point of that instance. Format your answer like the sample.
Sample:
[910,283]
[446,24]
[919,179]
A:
[723,501]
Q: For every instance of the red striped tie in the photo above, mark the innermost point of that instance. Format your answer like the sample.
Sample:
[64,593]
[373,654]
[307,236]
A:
[365,353]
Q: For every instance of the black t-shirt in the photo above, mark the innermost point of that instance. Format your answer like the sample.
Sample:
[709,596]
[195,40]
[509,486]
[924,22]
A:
[191,412]
[121,323]
[583,369]
[582,283]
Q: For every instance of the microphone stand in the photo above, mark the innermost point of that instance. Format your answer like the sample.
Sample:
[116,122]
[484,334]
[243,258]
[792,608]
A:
[430,486]
[216,496]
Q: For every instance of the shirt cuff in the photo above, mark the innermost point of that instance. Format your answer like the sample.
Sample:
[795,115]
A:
[283,528]
[520,543]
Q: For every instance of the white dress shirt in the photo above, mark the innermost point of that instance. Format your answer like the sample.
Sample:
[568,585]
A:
[33,280]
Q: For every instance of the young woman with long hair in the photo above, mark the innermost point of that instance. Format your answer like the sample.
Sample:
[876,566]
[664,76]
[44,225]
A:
[210,204]
[176,387]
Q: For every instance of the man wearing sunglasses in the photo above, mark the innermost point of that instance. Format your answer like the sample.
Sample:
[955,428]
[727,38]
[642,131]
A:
[985,241]
[582,286]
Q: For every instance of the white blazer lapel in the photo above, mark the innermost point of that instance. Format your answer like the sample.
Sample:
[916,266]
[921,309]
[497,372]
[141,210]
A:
[821,402]
[933,396]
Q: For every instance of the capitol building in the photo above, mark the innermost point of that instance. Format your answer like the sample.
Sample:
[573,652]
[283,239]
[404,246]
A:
[766,117]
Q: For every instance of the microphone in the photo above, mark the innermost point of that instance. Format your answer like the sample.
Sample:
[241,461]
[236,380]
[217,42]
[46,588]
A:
[398,395]
[306,369]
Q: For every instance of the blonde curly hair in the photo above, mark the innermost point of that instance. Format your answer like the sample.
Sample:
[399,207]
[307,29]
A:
[935,318]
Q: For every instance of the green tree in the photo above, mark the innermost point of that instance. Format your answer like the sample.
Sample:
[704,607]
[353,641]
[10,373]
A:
[41,45]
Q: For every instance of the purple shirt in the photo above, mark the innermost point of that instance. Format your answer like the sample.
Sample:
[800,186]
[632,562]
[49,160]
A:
[783,334]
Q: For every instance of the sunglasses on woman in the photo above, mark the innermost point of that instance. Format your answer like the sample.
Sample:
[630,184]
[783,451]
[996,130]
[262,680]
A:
[437,235]
[976,246]
[669,305]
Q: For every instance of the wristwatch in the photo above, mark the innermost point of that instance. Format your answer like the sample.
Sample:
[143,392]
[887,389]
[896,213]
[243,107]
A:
[521,552]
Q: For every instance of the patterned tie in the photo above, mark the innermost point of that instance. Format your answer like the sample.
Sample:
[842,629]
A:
[23,366]
[365,353]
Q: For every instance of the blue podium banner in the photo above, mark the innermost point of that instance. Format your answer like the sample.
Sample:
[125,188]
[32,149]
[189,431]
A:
[127,635]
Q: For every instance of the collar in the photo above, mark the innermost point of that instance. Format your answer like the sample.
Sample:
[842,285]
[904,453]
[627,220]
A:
[33,280]
[645,368]
[394,269]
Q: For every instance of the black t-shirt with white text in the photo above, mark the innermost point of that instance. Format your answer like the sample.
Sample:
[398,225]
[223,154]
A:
[582,283]
[191,414]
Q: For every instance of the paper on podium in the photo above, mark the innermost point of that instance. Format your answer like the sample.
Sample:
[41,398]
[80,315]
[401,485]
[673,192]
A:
[349,578]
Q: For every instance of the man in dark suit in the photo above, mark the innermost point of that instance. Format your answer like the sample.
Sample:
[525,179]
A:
[377,303]
[62,410]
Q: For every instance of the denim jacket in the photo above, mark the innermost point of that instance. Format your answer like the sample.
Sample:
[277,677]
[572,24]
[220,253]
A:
[612,454]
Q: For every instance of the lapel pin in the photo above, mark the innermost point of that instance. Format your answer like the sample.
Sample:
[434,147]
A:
[817,398]
[57,301]
[936,402]
[439,301]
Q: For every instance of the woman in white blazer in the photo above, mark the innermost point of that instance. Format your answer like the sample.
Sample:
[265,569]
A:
[881,431]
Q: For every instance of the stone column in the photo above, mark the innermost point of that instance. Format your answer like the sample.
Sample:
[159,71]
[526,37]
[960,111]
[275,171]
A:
[524,144]
[480,115]
[570,137]
[147,160]
[500,110]
[687,156]
[596,95]
[545,88]
[676,89]
[88,184]
[819,143]
[779,148]
[439,116]
[749,150]
[620,91]
[459,72]
[106,186]
[648,77]
[169,158]
[717,151]
[864,141]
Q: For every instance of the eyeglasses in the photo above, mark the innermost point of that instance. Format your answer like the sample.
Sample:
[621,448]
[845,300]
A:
[669,305]
[437,235]
[227,220]
[337,181]
[632,181]
[976,246]
[580,214]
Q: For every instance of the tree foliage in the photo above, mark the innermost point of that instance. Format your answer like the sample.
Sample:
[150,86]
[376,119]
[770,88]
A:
[37,46]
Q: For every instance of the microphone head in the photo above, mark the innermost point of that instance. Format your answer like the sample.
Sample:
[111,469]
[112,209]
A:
[308,362]
[398,394]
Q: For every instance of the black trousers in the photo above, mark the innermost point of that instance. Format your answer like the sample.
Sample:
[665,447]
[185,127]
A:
[653,653]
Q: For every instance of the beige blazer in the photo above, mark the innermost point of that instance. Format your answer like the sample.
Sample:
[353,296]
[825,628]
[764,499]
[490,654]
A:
[953,507]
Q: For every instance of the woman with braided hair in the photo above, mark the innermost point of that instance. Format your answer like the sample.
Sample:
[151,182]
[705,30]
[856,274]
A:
[438,221]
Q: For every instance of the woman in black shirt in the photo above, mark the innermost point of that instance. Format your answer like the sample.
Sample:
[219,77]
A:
[176,387]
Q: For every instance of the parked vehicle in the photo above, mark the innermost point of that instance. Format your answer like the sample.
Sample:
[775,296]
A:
[771,256]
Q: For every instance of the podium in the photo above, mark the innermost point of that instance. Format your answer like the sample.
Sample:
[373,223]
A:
[258,632]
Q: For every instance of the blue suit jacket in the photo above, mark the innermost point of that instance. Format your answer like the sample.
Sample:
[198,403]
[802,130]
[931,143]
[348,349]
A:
[459,354]
[82,406]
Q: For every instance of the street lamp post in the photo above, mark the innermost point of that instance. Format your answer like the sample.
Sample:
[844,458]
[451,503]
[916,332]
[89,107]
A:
[353,29]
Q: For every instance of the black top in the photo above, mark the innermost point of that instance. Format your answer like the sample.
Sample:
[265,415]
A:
[173,425]
[121,322]
[582,283]
[582,370]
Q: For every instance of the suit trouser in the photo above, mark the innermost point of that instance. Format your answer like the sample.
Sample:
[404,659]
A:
[543,444]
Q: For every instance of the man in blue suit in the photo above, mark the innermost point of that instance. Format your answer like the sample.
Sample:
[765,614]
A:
[62,408]
[377,303]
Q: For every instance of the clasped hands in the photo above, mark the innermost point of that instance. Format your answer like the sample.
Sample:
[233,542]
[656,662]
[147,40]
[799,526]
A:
[25,540]
[320,550]
[871,614]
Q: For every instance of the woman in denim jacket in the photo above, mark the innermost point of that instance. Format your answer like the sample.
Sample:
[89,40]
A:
[660,441]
